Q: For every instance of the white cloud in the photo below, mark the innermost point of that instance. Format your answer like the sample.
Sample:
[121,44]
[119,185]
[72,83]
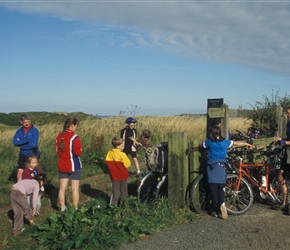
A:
[249,33]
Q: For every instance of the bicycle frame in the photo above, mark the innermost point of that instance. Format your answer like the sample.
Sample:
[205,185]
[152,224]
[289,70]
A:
[244,171]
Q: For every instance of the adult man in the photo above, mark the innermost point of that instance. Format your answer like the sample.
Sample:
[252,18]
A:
[26,138]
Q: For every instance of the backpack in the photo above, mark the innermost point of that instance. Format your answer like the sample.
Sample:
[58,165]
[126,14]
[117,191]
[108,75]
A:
[161,157]
[149,158]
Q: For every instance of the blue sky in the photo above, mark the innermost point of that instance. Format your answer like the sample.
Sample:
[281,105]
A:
[162,57]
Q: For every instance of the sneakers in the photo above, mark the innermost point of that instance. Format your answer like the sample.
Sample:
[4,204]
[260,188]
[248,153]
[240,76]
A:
[18,232]
[214,214]
[37,214]
[62,208]
[224,212]
[284,207]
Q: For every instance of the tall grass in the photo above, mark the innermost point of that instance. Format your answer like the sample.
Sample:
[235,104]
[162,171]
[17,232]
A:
[96,138]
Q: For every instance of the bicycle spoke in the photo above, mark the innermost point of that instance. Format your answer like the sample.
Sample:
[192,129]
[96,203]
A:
[238,199]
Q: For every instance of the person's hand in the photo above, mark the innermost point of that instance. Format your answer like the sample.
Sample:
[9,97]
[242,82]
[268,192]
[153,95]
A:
[133,139]
[250,146]
[277,139]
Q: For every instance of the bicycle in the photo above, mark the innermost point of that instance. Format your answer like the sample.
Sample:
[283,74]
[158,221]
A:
[239,194]
[154,184]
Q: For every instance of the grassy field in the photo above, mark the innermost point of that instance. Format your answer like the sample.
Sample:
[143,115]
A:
[96,135]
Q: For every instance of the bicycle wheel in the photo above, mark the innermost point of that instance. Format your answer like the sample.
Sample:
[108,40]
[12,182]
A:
[238,200]
[200,197]
[162,187]
[275,186]
[145,192]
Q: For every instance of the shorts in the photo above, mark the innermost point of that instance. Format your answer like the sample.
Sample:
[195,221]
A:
[75,175]
[133,154]
[22,162]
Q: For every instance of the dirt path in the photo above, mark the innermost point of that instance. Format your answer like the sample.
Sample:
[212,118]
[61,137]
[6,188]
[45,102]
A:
[260,228]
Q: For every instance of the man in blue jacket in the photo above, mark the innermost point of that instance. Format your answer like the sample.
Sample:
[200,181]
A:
[26,138]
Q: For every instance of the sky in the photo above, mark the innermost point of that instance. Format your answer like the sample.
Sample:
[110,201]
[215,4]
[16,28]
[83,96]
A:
[141,57]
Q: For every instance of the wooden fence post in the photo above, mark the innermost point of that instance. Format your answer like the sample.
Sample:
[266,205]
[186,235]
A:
[177,168]
[281,121]
[193,156]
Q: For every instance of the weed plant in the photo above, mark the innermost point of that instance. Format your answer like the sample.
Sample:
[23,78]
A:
[101,226]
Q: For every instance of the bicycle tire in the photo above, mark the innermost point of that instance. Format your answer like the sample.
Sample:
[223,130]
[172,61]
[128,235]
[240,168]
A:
[145,192]
[200,197]
[275,186]
[238,202]
[162,187]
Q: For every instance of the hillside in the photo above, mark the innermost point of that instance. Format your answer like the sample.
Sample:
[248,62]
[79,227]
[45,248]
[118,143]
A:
[41,118]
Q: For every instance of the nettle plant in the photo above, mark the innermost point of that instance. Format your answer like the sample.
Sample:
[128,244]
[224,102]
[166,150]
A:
[100,225]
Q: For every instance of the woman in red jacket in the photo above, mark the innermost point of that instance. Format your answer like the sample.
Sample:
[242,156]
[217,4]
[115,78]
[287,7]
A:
[69,148]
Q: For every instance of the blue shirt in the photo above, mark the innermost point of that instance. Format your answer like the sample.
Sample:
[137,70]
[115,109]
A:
[217,149]
[216,166]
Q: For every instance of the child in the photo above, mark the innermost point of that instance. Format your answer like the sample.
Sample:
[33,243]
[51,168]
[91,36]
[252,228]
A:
[129,146]
[217,148]
[69,149]
[145,142]
[118,162]
[19,203]
[31,171]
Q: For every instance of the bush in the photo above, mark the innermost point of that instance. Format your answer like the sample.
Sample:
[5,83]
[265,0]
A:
[264,113]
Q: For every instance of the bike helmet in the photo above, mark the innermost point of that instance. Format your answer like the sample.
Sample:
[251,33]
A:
[130,120]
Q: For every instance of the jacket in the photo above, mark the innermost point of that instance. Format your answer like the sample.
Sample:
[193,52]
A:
[27,141]
[118,162]
[69,160]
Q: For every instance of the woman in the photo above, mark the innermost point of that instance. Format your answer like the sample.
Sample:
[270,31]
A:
[285,164]
[69,148]
[217,148]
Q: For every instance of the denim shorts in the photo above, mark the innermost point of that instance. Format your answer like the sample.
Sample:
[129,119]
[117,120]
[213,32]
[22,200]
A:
[76,175]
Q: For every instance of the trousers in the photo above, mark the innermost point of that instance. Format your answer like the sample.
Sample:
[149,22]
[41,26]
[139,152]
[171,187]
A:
[21,209]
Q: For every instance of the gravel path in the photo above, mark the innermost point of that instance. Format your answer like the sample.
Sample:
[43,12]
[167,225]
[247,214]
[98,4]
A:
[260,228]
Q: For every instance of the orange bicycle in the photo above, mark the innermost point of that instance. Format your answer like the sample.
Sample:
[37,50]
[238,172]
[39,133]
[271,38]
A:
[239,195]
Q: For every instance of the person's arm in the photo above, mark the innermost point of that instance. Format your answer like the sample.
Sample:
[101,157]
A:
[126,161]
[135,141]
[241,144]
[282,141]
[18,139]
[77,146]
[35,197]
[32,140]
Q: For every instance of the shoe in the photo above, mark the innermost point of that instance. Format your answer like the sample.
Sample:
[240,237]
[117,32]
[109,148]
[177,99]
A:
[224,212]
[139,174]
[37,214]
[18,232]
[214,214]
[284,207]
[62,209]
